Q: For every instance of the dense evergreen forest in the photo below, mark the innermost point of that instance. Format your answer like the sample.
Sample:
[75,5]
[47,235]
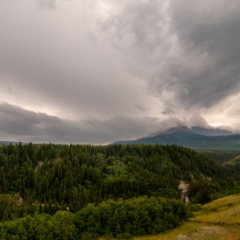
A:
[83,185]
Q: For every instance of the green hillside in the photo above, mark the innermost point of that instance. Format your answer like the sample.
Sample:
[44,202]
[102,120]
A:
[39,180]
[76,175]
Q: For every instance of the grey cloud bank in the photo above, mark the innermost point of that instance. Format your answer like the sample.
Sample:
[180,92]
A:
[98,72]
[25,125]
[191,49]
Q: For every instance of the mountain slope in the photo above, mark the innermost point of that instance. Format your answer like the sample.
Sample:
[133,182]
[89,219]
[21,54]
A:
[188,138]
[210,131]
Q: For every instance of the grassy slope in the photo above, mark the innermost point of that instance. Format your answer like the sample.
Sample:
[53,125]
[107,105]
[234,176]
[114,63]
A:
[217,220]
[221,211]
[234,161]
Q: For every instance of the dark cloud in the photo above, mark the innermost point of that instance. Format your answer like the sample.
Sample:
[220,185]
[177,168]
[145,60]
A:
[20,124]
[141,108]
[207,33]
[168,111]
[187,48]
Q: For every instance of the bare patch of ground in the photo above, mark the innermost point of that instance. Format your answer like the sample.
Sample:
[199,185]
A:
[40,163]
[184,187]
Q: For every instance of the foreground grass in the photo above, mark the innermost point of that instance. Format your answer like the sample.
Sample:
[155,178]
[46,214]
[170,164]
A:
[193,231]
[218,220]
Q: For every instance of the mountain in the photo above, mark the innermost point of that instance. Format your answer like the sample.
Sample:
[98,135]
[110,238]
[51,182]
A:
[211,131]
[214,139]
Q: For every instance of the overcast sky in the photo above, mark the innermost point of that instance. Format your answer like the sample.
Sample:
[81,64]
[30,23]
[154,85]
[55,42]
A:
[87,71]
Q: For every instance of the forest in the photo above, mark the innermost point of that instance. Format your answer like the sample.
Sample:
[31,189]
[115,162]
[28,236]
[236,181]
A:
[55,191]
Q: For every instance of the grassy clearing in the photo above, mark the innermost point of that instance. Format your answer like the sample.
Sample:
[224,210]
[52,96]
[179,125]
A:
[228,216]
[218,220]
[222,211]
[232,200]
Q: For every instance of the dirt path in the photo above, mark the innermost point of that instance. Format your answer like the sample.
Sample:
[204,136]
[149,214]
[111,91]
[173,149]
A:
[233,235]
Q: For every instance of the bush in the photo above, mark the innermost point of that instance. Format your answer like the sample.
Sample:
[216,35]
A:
[133,217]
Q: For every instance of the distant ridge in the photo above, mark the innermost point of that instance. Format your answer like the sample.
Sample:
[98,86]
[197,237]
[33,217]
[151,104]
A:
[195,138]
[7,143]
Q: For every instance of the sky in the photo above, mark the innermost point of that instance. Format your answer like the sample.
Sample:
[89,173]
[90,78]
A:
[95,72]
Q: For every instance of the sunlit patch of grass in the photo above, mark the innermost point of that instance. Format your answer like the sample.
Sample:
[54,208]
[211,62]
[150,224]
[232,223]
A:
[222,211]
[224,202]
[227,216]
[234,161]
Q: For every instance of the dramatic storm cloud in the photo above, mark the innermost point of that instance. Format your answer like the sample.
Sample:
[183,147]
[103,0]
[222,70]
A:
[102,71]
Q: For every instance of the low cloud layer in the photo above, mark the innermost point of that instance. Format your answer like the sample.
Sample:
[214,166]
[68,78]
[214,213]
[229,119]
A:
[25,125]
[98,72]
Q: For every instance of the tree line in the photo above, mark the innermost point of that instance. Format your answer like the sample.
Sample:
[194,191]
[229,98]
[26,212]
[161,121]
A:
[110,219]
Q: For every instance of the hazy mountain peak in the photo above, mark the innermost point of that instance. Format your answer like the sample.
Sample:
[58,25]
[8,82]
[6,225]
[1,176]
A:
[211,131]
[195,137]
[206,131]
[176,129]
